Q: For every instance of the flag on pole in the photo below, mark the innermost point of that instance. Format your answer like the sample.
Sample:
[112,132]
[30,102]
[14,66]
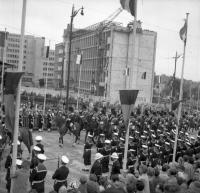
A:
[183,32]
[11,82]
[127,72]
[129,5]
[127,98]
[79,59]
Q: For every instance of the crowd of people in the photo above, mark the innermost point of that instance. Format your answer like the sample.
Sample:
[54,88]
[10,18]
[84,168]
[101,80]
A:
[150,167]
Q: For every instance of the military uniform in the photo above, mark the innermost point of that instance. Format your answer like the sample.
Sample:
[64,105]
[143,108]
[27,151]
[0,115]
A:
[30,121]
[40,121]
[60,177]
[49,121]
[105,161]
[115,168]
[87,153]
[37,177]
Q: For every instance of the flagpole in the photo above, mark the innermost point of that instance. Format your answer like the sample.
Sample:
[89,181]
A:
[17,105]
[180,94]
[134,47]
[79,85]
[46,82]
[198,98]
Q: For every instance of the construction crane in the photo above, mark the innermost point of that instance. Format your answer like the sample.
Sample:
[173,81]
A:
[101,46]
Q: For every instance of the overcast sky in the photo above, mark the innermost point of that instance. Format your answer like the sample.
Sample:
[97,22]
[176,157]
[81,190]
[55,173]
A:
[48,18]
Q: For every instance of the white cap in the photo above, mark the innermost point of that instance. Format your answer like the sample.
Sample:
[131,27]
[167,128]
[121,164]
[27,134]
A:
[122,139]
[144,146]
[115,134]
[153,136]
[102,134]
[130,137]
[157,145]
[41,157]
[188,143]
[90,135]
[65,159]
[107,141]
[18,162]
[38,138]
[132,150]
[101,122]
[143,137]
[192,137]
[114,155]
[98,156]
[0,137]
[36,148]
[167,143]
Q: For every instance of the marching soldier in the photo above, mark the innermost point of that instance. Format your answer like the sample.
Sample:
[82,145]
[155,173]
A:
[40,122]
[38,140]
[38,175]
[143,156]
[100,143]
[61,174]
[49,122]
[115,165]
[87,152]
[120,151]
[97,167]
[30,121]
[131,161]
[114,143]
[105,160]
[34,160]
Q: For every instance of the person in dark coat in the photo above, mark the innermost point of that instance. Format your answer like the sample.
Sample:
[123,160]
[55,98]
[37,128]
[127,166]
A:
[61,174]
[30,121]
[106,153]
[38,175]
[34,160]
[116,165]
[97,167]
[40,122]
[87,152]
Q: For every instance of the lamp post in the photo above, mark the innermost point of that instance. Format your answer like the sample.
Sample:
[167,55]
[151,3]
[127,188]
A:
[73,14]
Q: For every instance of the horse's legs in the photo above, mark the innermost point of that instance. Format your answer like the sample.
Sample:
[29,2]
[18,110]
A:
[86,134]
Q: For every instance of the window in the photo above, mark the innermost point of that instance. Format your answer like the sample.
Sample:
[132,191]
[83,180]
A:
[60,51]
[60,59]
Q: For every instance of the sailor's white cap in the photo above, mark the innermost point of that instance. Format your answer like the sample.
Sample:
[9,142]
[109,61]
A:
[41,157]
[65,159]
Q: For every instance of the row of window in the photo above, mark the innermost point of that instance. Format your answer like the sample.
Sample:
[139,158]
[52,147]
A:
[49,64]
[48,74]
[14,50]
[15,45]
[49,69]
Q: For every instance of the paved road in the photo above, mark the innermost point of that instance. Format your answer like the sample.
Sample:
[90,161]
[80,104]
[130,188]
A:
[53,151]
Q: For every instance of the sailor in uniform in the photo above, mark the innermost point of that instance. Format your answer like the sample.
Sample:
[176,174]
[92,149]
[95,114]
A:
[106,153]
[38,140]
[61,174]
[38,175]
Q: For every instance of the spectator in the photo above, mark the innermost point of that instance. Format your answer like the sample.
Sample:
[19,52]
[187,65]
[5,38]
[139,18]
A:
[172,188]
[21,177]
[131,184]
[188,168]
[140,186]
[83,186]
[143,176]
[92,185]
[163,174]
[194,187]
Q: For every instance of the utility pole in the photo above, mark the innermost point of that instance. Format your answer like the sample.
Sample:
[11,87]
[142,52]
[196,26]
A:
[176,57]
[198,97]
[73,14]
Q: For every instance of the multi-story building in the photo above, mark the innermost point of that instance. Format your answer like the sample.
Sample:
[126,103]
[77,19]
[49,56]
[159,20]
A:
[108,62]
[59,64]
[33,59]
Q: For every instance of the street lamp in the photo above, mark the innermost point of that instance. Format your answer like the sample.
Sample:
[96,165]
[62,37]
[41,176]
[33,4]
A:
[73,14]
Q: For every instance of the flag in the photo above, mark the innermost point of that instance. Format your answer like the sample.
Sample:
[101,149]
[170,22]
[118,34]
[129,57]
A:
[127,72]
[183,32]
[47,52]
[129,5]
[127,98]
[11,82]
[79,59]
[144,74]
[3,37]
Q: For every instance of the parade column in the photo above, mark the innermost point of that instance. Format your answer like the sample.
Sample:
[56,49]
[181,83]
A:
[127,99]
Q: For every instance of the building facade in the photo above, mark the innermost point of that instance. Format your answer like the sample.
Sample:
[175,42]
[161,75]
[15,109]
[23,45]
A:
[108,62]
[33,59]
[59,64]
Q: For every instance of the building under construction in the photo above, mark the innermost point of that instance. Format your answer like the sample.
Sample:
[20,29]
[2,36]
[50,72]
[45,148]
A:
[108,60]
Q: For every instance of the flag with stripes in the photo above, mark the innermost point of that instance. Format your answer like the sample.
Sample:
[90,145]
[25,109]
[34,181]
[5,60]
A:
[129,5]
[183,32]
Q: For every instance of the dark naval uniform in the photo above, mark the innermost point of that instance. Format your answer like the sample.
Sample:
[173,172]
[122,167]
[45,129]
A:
[40,121]
[105,161]
[30,121]
[97,169]
[41,146]
[115,168]
[87,153]
[37,177]
[60,177]
[49,119]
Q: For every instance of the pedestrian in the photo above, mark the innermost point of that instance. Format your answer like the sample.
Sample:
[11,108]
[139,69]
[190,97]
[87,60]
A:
[61,174]
[143,176]
[21,176]
[83,185]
